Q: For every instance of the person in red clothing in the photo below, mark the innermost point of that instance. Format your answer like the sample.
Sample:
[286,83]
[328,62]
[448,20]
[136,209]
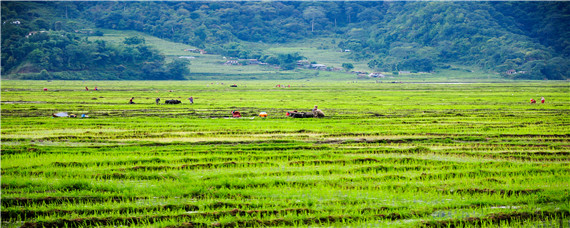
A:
[532,101]
[86,89]
[542,100]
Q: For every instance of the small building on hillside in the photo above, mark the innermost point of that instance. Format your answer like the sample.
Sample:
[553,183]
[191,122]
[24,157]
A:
[404,72]
[201,51]
[511,71]
[303,63]
[34,33]
[231,62]
[376,75]
[319,66]
[85,31]
[254,62]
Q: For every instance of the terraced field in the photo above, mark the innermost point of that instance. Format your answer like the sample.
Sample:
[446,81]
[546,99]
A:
[386,155]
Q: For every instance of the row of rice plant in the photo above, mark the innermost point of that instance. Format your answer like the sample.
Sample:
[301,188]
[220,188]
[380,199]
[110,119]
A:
[388,155]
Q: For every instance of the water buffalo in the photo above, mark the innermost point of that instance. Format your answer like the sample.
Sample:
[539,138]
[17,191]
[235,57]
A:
[172,102]
[318,113]
[304,114]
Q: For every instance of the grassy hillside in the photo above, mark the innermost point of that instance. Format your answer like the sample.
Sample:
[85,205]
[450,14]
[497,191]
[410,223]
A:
[210,66]
[381,36]
[203,66]
[320,50]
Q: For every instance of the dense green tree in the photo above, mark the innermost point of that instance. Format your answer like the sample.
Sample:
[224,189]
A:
[312,14]
[347,66]
[44,74]
[289,61]
[62,51]
[524,36]
[177,69]
[270,59]
[135,40]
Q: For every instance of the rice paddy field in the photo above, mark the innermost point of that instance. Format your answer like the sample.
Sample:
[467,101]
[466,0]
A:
[385,155]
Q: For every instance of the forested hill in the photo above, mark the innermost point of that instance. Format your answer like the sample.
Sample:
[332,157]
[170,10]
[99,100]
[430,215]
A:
[531,38]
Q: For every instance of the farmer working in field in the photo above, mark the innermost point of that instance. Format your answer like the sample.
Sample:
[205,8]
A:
[191,99]
[157,100]
[131,100]
[317,112]
[542,100]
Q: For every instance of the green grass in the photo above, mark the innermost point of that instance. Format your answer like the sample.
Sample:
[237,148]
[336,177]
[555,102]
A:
[205,67]
[321,50]
[166,47]
[387,154]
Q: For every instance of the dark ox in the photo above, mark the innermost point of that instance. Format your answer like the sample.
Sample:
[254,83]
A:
[301,114]
[172,102]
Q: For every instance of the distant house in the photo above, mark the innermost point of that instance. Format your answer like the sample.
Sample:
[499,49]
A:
[376,75]
[511,71]
[253,62]
[186,57]
[34,33]
[346,50]
[84,31]
[231,62]
[319,66]
[404,72]
[303,63]
[201,51]
[16,22]
[337,69]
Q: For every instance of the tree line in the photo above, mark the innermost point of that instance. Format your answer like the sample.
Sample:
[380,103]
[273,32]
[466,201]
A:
[31,46]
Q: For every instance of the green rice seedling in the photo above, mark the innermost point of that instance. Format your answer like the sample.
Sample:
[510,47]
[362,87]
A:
[377,153]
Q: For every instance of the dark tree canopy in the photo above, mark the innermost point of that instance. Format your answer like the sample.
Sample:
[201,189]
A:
[530,37]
